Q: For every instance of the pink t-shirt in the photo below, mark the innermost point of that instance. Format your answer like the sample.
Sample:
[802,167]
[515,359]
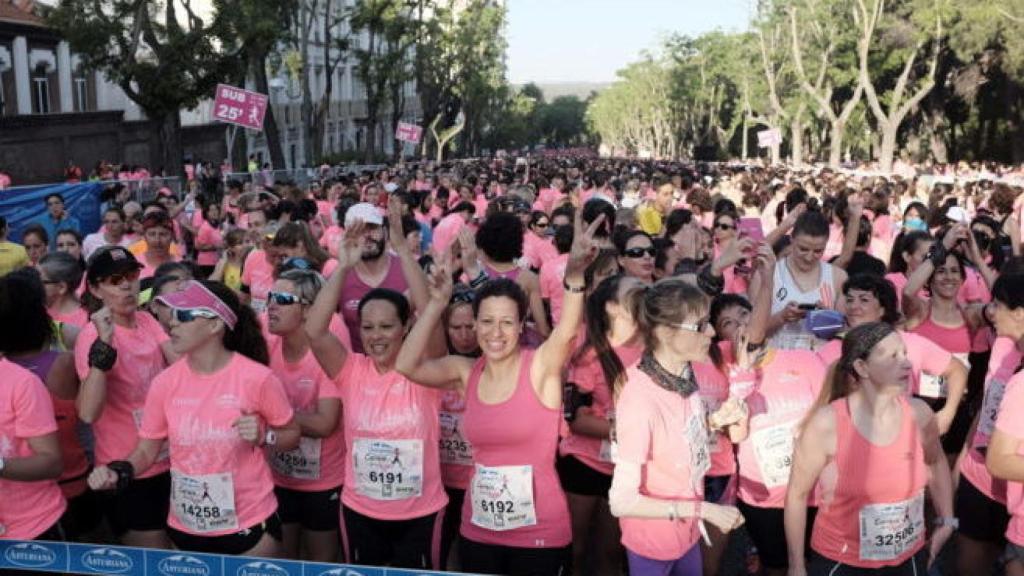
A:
[79,318]
[140,359]
[1002,364]
[317,464]
[552,275]
[27,509]
[547,197]
[587,375]
[258,275]
[714,390]
[656,429]
[784,388]
[926,357]
[1009,422]
[456,450]
[208,235]
[196,413]
[392,471]
[538,250]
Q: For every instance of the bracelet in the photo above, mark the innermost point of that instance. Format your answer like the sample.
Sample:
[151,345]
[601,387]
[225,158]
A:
[480,279]
[102,356]
[125,472]
[574,289]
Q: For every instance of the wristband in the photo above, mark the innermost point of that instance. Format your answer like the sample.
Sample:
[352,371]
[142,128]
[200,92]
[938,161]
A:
[574,289]
[480,279]
[102,356]
[951,521]
[125,473]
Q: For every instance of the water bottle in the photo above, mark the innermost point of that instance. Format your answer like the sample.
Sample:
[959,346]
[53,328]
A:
[753,561]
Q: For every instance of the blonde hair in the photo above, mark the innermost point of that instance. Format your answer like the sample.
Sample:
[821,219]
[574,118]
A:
[667,302]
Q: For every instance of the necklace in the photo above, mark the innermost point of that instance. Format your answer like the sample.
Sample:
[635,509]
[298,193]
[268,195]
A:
[683,384]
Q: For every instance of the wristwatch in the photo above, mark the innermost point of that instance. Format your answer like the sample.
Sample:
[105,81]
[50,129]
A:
[270,439]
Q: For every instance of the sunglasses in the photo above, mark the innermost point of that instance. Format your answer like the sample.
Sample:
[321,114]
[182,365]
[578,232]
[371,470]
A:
[540,225]
[699,327]
[121,277]
[639,252]
[283,298]
[463,297]
[186,315]
[723,226]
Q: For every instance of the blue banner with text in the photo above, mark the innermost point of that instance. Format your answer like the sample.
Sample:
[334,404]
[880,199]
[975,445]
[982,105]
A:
[65,558]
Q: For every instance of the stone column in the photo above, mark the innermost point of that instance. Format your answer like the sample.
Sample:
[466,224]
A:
[67,101]
[22,79]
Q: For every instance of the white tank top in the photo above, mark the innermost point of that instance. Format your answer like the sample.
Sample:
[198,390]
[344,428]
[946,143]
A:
[793,335]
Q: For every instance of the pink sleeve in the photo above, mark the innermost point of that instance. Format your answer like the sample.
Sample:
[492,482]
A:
[33,409]
[633,434]
[154,417]
[82,344]
[327,387]
[273,402]
[1009,421]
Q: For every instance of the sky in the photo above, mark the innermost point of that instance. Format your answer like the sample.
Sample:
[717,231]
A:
[588,40]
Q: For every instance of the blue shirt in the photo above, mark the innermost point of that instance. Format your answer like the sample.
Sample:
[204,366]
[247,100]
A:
[52,227]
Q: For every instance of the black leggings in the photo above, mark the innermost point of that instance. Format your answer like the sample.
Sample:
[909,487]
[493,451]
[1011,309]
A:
[492,559]
[917,565]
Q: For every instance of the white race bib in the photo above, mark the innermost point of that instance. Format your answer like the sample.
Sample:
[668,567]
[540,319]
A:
[887,531]
[990,407]
[388,469]
[606,455]
[503,497]
[455,449]
[204,503]
[697,440]
[773,450]
[301,463]
[930,386]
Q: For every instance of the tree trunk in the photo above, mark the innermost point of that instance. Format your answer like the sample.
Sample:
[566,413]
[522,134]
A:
[169,134]
[258,65]
[887,149]
[835,149]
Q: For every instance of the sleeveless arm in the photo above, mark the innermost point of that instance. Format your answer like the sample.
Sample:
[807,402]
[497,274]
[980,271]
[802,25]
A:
[814,447]
[940,483]
[448,372]
[329,351]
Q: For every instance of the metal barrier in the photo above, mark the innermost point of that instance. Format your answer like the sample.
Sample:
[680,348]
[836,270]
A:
[39,556]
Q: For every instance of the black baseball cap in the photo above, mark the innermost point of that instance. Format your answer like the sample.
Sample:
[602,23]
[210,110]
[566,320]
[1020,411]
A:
[110,260]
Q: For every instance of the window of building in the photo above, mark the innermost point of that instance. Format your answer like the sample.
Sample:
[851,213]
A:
[40,91]
[81,94]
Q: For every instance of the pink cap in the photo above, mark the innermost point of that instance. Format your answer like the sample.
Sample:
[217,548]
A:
[195,296]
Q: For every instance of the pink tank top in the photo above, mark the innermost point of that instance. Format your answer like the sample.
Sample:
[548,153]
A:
[863,525]
[953,340]
[353,290]
[515,433]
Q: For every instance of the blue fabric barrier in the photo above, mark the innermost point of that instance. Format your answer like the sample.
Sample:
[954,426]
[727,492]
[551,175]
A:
[99,559]
[24,205]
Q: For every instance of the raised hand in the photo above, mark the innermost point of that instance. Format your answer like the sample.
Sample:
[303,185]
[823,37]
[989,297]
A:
[584,245]
[470,262]
[350,250]
[439,280]
[103,320]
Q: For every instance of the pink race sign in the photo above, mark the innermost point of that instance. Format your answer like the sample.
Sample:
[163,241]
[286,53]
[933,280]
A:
[239,106]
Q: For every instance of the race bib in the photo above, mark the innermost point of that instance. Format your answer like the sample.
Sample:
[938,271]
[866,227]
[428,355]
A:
[388,469]
[606,454]
[204,503]
[773,449]
[888,531]
[697,439]
[165,450]
[455,449]
[301,463]
[930,386]
[990,408]
[503,497]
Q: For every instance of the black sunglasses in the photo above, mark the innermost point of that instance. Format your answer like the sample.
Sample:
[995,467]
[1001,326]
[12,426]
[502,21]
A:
[639,252]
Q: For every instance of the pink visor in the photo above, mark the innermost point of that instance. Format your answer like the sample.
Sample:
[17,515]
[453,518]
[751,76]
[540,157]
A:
[195,296]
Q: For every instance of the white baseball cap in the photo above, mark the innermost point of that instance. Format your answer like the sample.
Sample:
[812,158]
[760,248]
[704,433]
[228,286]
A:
[364,211]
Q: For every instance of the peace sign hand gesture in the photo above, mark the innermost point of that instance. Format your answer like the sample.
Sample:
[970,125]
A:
[584,245]
[439,281]
[350,250]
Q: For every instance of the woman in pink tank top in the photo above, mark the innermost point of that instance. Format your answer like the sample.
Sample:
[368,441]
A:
[872,452]
[515,519]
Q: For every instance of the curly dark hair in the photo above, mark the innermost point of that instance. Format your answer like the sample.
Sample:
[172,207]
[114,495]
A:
[501,237]
[502,287]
